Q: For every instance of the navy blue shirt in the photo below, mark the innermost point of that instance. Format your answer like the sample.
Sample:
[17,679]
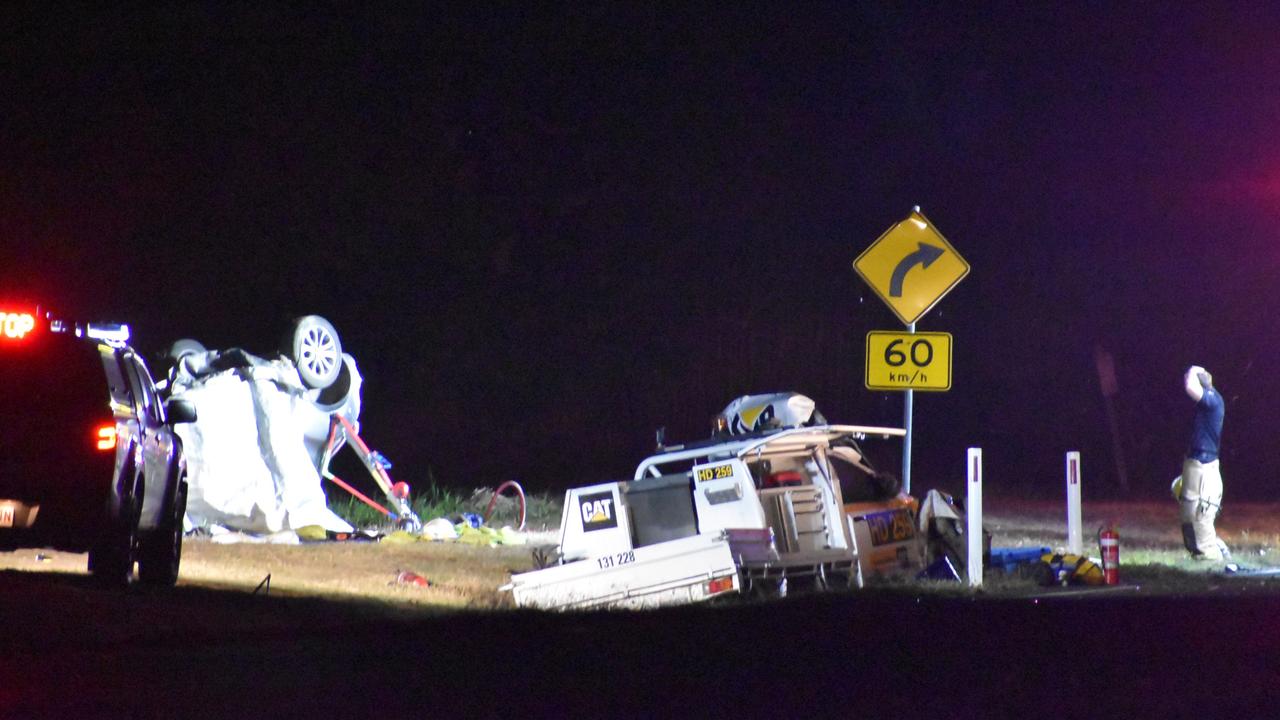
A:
[1206,429]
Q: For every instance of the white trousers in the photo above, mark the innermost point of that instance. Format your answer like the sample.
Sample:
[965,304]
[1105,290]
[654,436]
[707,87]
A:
[1199,505]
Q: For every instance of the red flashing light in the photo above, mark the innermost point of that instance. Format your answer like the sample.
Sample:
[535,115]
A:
[106,437]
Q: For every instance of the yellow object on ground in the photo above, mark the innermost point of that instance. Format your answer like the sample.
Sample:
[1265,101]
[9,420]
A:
[1060,568]
[485,535]
[312,533]
[476,536]
[401,537]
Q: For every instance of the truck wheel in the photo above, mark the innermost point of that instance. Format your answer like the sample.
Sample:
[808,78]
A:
[313,345]
[161,553]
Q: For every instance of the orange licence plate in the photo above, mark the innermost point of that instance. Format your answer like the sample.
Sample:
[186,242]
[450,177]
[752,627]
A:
[890,527]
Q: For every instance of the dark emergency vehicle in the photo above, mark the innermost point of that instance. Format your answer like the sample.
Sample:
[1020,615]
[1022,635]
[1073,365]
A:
[88,457]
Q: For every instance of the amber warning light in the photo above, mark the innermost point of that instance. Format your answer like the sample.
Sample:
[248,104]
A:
[15,326]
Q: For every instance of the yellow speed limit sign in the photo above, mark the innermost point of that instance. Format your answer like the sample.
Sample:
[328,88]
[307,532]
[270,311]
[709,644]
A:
[908,361]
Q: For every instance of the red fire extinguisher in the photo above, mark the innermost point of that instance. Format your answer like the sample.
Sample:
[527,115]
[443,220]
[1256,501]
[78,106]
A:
[1109,548]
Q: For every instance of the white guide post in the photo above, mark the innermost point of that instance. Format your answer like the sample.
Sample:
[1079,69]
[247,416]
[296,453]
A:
[974,513]
[1075,539]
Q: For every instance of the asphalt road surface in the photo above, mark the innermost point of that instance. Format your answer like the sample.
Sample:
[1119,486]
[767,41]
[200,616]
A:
[71,649]
[335,637]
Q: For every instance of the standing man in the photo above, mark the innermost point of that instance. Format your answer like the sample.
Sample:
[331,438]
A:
[1201,496]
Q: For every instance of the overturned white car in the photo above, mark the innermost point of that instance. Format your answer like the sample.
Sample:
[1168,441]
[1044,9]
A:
[254,454]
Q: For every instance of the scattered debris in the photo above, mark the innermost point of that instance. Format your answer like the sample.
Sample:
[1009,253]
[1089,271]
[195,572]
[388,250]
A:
[1067,569]
[1013,560]
[439,529]
[222,536]
[484,535]
[942,523]
[470,520]
[404,577]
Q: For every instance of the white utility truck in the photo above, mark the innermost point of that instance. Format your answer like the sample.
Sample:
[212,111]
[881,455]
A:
[732,514]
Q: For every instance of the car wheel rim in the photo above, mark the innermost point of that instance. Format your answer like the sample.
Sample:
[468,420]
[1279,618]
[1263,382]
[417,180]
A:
[319,352]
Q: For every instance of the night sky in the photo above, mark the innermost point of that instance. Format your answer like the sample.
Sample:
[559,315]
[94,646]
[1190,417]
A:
[545,232]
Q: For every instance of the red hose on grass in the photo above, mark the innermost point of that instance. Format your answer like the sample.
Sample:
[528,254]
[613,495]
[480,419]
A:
[494,501]
[359,495]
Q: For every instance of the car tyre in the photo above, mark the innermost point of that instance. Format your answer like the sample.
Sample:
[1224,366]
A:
[315,349]
[184,347]
[111,559]
[161,553]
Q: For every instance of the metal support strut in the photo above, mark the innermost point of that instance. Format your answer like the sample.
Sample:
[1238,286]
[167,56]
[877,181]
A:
[377,466]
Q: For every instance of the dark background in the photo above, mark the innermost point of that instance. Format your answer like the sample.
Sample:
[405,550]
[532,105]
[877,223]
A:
[543,233]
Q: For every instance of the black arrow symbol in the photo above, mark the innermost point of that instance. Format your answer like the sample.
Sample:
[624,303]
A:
[924,255]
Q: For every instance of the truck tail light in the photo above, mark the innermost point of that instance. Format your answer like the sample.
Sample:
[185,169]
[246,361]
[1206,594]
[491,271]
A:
[719,585]
[105,436]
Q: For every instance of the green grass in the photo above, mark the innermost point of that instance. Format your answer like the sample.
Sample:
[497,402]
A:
[436,501]
[355,512]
